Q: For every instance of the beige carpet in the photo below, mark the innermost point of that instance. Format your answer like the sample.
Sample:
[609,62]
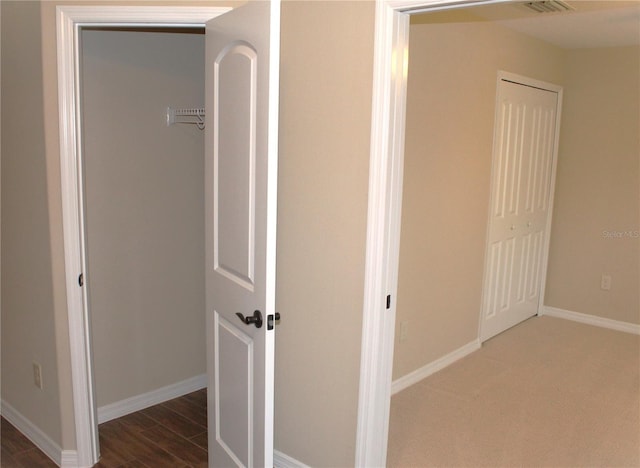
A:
[546,393]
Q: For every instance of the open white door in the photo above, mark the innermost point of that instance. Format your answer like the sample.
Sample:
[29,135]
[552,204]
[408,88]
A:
[524,154]
[242,54]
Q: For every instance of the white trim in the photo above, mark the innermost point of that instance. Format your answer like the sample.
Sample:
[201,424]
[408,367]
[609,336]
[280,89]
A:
[69,18]
[69,459]
[527,81]
[281,460]
[63,458]
[142,16]
[434,366]
[273,126]
[154,397]
[423,6]
[594,320]
[383,230]
[82,382]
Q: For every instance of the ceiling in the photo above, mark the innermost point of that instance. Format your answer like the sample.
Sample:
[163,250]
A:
[591,23]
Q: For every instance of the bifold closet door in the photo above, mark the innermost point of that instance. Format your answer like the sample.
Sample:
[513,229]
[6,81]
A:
[523,158]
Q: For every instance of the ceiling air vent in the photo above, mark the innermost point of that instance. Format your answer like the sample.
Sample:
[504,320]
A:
[548,6]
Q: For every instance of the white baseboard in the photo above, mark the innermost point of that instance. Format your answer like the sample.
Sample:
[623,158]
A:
[62,458]
[433,367]
[69,459]
[592,320]
[281,460]
[154,397]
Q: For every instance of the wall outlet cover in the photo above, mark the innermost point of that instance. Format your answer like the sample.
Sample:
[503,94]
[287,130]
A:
[37,375]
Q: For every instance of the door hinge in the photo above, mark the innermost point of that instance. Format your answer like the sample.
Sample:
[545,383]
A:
[388,301]
[81,280]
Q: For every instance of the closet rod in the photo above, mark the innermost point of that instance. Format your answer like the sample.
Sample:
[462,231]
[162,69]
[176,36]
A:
[186,116]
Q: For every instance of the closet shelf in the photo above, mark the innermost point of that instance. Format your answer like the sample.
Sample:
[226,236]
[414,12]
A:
[186,116]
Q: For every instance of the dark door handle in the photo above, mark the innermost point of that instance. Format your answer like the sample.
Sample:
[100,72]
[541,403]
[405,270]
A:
[256,318]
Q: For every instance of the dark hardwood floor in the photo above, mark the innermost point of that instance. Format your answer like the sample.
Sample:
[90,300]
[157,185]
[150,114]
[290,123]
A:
[18,451]
[171,434]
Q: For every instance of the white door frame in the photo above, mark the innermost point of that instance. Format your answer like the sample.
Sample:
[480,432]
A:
[383,219]
[69,20]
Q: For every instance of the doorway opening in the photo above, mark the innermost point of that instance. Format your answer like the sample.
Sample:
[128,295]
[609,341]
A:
[71,23]
[388,130]
[144,199]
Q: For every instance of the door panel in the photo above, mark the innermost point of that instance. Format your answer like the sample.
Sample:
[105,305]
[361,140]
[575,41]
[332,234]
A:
[234,120]
[233,390]
[524,140]
[241,92]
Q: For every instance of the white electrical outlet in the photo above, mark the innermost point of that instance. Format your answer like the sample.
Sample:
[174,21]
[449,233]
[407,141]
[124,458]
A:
[404,331]
[37,375]
[605,282]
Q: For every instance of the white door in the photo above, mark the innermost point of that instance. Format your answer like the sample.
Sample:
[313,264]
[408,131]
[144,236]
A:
[242,53]
[523,160]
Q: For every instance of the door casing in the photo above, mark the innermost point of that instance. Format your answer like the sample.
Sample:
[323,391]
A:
[69,20]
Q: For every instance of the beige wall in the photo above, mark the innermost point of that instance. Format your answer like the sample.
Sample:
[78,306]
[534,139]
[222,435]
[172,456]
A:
[597,205]
[325,98]
[144,205]
[325,118]
[450,113]
[29,299]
